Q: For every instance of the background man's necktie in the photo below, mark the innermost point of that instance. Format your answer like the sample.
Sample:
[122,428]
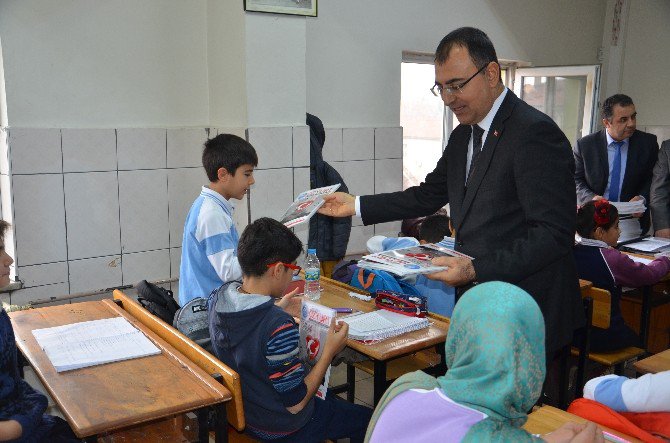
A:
[615,176]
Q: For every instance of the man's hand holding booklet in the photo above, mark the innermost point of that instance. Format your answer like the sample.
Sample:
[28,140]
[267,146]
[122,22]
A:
[305,205]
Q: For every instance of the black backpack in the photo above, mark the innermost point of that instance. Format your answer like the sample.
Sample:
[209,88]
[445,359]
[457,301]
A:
[159,301]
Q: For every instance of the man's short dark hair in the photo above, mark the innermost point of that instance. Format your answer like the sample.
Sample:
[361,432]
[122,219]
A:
[263,242]
[477,43]
[434,228]
[611,102]
[227,151]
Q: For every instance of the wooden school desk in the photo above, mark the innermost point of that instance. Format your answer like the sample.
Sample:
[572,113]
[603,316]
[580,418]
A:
[104,398]
[656,363]
[548,419]
[336,294]
[648,303]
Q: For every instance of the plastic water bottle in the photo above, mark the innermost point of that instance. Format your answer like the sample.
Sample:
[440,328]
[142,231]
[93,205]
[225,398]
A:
[312,275]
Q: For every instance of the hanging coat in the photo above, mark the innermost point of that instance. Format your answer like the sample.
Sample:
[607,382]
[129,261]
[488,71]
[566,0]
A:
[330,236]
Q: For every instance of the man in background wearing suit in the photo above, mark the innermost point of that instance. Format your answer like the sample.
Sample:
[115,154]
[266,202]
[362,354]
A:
[660,193]
[507,174]
[616,163]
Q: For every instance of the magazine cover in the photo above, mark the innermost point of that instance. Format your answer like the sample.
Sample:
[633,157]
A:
[305,205]
[409,261]
[314,323]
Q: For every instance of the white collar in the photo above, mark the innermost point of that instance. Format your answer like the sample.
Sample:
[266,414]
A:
[229,205]
[485,124]
[610,140]
[590,242]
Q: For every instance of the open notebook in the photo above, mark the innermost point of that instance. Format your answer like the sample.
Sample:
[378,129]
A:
[94,342]
[382,324]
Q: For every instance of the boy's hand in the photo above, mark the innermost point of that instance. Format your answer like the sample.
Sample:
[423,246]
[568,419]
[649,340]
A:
[459,271]
[291,303]
[338,204]
[337,338]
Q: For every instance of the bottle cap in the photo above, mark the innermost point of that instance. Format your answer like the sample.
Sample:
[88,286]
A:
[311,251]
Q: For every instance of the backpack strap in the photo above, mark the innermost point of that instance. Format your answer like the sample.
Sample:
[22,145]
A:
[368,282]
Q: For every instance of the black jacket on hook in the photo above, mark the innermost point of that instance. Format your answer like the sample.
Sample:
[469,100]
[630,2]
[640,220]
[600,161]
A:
[330,236]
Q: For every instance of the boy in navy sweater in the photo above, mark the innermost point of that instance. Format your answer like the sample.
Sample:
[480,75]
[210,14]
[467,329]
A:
[252,334]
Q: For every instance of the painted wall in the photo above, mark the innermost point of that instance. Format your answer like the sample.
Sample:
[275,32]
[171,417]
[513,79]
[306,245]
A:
[275,54]
[646,66]
[117,63]
[226,63]
[354,48]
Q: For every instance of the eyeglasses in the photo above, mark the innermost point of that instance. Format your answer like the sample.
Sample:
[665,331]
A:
[438,89]
[296,268]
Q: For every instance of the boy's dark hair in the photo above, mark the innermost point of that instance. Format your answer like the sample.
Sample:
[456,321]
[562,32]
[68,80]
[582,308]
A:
[227,151]
[263,242]
[434,228]
[610,102]
[3,229]
[586,217]
[475,40]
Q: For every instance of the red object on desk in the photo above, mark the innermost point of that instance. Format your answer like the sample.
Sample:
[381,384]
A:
[300,284]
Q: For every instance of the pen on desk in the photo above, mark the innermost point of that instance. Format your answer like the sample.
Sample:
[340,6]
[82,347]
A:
[343,310]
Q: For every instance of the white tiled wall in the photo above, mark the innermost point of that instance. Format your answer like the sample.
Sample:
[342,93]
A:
[97,208]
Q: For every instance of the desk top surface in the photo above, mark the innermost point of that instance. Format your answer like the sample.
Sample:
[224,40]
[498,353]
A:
[111,396]
[548,419]
[336,294]
[656,363]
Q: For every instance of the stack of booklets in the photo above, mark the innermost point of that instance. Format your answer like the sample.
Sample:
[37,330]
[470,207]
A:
[650,244]
[91,343]
[381,324]
[305,205]
[627,208]
[410,261]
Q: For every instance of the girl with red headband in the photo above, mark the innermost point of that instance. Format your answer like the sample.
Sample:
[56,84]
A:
[598,261]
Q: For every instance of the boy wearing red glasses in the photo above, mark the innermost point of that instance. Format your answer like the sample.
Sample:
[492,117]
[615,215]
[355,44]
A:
[253,334]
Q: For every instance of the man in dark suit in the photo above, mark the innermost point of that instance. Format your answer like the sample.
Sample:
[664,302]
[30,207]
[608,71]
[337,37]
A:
[659,201]
[507,174]
[616,163]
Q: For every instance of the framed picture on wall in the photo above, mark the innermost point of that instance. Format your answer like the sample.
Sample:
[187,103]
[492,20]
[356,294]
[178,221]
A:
[292,7]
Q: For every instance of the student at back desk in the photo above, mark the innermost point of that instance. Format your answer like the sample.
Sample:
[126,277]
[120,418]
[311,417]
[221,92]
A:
[432,229]
[598,262]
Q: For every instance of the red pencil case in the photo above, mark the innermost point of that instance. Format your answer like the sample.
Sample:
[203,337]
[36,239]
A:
[411,305]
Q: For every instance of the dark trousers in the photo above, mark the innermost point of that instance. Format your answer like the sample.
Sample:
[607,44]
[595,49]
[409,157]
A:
[333,418]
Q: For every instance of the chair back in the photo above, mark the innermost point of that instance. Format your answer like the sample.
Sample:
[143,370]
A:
[602,307]
[202,358]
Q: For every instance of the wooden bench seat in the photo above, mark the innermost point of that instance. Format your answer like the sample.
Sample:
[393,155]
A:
[202,358]
[597,306]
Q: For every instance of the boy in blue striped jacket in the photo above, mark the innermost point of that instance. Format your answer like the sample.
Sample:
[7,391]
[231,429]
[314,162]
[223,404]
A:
[209,245]
[253,335]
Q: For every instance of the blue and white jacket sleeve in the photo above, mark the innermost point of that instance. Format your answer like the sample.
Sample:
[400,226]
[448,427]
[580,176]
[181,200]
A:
[219,237]
[649,393]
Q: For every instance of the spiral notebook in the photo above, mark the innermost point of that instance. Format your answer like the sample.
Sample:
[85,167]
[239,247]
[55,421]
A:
[382,324]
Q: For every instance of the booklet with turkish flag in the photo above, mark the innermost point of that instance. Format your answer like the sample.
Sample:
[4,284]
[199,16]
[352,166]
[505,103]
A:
[305,205]
[314,323]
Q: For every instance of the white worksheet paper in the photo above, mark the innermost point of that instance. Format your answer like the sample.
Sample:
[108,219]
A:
[95,342]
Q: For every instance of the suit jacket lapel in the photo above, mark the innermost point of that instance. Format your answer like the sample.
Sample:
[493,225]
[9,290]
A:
[631,164]
[484,160]
[458,156]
